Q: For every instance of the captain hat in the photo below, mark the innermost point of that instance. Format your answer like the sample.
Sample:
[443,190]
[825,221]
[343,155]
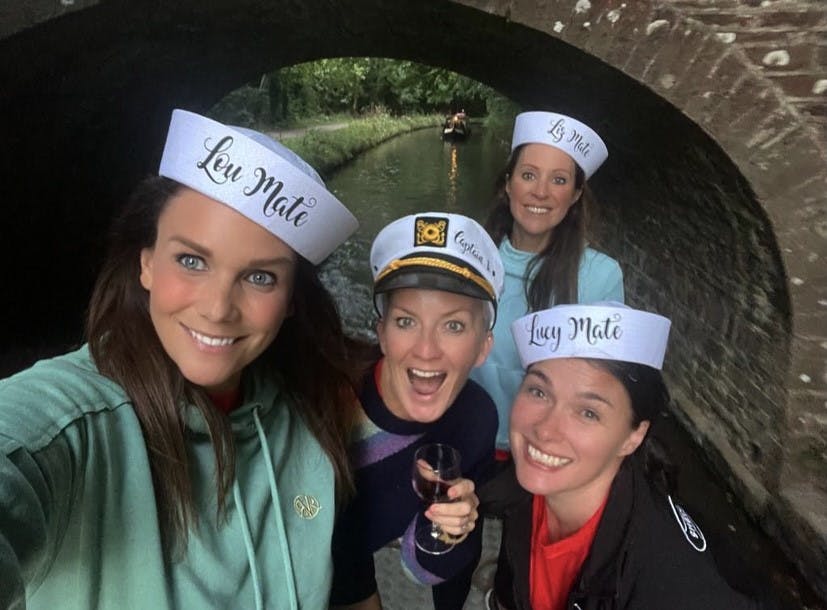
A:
[608,331]
[574,138]
[259,178]
[439,251]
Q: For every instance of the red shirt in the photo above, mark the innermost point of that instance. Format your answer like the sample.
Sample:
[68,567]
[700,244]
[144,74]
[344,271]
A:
[227,401]
[555,565]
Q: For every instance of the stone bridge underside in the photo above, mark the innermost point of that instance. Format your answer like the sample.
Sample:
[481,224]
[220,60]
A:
[713,196]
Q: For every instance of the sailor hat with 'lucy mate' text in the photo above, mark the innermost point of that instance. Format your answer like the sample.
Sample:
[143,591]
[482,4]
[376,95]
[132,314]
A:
[259,178]
[574,138]
[438,251]
[608,331]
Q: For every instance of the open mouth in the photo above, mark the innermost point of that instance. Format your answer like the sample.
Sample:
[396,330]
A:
[546,459]
[211,341]
[426,382]
[537,210]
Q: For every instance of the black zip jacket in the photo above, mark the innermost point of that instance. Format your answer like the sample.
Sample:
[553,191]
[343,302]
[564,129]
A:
[647,554]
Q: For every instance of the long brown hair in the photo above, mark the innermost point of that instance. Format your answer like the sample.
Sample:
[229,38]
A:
[649,398]
[308,354]
[557,264]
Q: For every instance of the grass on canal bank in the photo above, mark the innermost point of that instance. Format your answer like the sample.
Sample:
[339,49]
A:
[327,150]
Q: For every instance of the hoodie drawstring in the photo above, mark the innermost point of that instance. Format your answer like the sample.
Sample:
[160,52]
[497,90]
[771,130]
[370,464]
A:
[248,544]
[282,534]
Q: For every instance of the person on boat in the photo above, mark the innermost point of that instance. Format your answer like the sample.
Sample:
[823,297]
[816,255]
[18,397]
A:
[190,454]
[593,521]
[539,222]
[436,277]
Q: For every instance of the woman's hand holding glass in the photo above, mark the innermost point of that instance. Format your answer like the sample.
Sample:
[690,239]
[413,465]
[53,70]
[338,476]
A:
[458,517]
[451,512]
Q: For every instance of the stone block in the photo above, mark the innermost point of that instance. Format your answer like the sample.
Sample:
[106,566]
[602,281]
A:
[808,369]
[694,86]
[802,19]
[672,62]
[793,57]
[799,85]
[786,159]
[726,77]
[797,521]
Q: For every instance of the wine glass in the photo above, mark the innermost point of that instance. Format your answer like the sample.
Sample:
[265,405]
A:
[436,467]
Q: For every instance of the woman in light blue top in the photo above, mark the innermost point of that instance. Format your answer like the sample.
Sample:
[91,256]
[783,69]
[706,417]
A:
[539,222]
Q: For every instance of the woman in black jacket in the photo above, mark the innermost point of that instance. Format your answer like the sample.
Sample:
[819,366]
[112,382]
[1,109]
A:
[593,525]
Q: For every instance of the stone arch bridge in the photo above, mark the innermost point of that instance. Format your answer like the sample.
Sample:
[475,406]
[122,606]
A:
[714,195]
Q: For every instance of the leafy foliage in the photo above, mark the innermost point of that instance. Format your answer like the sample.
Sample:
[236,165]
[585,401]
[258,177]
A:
[355,85]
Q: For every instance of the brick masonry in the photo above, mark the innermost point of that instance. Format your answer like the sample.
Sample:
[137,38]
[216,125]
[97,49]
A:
[714,198]
[748,349]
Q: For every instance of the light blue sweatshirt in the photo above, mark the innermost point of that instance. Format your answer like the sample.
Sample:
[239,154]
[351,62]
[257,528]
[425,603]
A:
[78,517]
[599,278]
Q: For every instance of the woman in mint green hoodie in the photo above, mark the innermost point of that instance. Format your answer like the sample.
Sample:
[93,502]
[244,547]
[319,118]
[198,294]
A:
[190,454]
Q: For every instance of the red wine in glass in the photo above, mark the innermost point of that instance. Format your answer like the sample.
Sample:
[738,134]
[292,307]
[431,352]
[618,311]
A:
[435,469]
[431,492]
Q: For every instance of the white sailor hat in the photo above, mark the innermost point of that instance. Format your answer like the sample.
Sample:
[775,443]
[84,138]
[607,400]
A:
[574,138]
[609,331]
[439,251]
[260,178]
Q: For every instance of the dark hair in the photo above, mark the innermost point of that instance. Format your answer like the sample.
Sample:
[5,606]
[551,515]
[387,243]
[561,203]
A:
[650,399]
[308,354]
[556,280]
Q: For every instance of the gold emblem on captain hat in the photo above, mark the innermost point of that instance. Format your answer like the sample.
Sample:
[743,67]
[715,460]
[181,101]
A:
[306,507]
[431,231]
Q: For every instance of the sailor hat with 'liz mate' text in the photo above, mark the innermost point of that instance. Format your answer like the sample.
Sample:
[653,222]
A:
[438,251]
[259,178]
[608,331]
[574,138]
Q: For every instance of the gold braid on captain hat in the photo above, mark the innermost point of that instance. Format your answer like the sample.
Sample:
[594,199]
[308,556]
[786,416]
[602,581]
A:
[438,263]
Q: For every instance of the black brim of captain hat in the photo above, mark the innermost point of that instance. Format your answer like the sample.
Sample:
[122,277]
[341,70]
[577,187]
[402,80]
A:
[432,278]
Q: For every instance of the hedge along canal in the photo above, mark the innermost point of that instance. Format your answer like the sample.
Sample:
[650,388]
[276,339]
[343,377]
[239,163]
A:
[326,149]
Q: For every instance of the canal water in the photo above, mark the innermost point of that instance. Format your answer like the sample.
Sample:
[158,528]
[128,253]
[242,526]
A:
[418,172]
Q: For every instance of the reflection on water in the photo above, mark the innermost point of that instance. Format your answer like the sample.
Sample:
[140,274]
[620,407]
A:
[453,170]
[416,172]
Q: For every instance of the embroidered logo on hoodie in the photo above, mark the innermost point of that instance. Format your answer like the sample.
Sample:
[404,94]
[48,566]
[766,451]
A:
[306,507]
[690,529]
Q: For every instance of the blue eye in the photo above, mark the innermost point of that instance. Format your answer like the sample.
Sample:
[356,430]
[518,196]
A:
[261,278]
[191,262]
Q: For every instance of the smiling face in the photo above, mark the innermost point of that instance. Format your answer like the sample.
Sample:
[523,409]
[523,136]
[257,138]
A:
[571,427]
[541,189]
[220,287]
[431,340]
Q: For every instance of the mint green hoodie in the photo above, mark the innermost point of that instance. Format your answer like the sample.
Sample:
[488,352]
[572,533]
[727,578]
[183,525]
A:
[78,518]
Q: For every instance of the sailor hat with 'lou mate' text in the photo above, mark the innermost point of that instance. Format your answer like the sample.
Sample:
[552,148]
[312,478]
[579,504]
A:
[574,138]
[438,251]
[260,178]
[608,331]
